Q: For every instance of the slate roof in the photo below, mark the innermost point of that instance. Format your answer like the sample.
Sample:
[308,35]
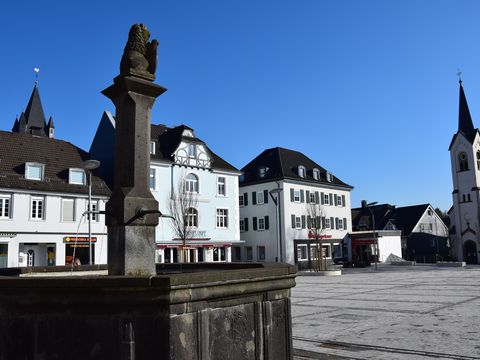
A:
[57,156]
[465,123]
[283,164]
[168,139]
[33,119]
[404,218]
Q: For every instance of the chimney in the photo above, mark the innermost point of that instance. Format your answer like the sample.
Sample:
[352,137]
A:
[364,203]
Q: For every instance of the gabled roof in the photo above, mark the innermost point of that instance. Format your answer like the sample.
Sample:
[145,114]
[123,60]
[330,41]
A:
[465,123]
[58,157]
[381,212]
[168,140]
[283,164]
[407,217]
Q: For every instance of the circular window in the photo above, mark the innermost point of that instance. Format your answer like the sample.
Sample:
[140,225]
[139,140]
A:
[463,156]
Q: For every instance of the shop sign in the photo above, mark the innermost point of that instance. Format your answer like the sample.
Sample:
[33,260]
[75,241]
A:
[78,239]
[311,235]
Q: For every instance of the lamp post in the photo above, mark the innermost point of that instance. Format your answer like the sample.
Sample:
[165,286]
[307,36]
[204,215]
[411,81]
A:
[89,166]
[375,244]
[276,200]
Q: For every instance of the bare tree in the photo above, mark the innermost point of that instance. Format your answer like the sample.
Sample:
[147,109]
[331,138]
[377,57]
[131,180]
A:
[316,224]
[183,208]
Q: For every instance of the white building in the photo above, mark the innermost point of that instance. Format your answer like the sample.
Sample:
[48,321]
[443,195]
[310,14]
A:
[465,161]
[43,194]
[183,164]
[283,194]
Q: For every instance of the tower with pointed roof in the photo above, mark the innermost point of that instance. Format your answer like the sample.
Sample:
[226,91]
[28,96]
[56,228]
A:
[32,120]
[465,161]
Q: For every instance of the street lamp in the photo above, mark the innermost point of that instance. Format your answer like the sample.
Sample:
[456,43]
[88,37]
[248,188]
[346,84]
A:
[276,200]
[375,241]
[89,166]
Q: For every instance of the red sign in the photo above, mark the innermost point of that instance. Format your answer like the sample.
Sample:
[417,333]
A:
[78,239]
[311,235]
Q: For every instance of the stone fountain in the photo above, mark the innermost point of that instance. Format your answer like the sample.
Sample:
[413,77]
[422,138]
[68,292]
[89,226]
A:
[139,311]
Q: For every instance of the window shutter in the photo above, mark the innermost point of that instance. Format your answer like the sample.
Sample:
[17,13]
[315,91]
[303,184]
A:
[291,195]
[330,198]
[302,196]
[323,222]
[317,223]
[332,223]
[245,199]
[335,199]
[307,197]
[303,222]
[265,196]
[322,198]
[254,198]
[293,221]
[309,222]
[246,224]
[266,223]
[345,223]
[254,220]
[336,223]
[317,198]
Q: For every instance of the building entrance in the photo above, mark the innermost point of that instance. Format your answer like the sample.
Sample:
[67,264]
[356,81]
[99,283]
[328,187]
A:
[470,252]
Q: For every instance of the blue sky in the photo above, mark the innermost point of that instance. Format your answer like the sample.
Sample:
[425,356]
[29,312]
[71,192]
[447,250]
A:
[367,89]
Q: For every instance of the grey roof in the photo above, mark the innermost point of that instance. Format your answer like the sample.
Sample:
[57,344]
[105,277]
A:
[32,121]
[283,164]
[58,157]
[465,123]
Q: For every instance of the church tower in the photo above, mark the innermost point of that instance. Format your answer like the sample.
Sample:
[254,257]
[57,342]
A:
[32,121]
[465,160]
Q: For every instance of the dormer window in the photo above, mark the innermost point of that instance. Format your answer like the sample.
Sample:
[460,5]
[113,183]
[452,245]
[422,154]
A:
[329,176]
[188,133]
[301,171]
[316,174]
[76,176]
[192,150]
[152,147]
[262,171]
[34,171]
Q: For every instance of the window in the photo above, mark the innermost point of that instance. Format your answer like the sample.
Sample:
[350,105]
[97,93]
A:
[5,206]
[296,195]
[463,161]
[222,218]
[68,210]
[192,150]
[242,225]
[94,206]
[36,206]
[301,171]
[313,223]
[262,171]
[191,217]
[298,222]
[261,253]
[316,174]
[236,253]
[302,252]
[312,197]
[34,171]
[219,254]
[248,253]
[340,224]
[339,200]
[76,176]
[260,198]
[3,255]
[188,133]
[329,176]
[261,223]
[152,147]
[191,183]
[221,190]
[327,223]
[240,200]
[153,175]
[325,199]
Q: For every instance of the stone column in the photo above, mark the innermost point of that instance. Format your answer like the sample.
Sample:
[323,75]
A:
[131,239]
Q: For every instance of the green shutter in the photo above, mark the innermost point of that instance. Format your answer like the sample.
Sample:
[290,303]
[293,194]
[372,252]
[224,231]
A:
[307,198]
[330,198]
[309,222]
[335,197]
[343,200]
[246,224]
[317,198]
[322,198]
[293,221]
[267,226]
[245,199]
[265,196]
[254,220]
[291,195]
[303,222]
[254,198]
[302,196]
[336,223]
[332,223]
[345,223]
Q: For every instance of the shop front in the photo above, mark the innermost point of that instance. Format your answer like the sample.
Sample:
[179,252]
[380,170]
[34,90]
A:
[362,252]
[77,250]
[192,253]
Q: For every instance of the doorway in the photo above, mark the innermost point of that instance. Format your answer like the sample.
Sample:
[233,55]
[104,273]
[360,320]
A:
[470,254]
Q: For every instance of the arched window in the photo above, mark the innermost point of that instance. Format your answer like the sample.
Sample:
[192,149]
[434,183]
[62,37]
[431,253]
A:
[191,183]
[191,217]
[301,171]
[478,160]
[463,161]
[316,174]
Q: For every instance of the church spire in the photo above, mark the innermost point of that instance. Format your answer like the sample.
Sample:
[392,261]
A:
[465,123]
[32,121]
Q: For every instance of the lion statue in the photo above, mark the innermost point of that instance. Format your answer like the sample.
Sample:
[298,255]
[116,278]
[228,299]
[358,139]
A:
[140,56]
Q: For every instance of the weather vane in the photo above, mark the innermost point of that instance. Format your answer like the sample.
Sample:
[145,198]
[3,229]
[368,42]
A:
[36,70]
[459,74]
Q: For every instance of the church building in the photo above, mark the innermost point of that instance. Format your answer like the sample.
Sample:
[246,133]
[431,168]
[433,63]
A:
[465,160]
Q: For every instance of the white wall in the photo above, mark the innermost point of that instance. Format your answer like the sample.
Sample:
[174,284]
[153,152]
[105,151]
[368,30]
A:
[387,245]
